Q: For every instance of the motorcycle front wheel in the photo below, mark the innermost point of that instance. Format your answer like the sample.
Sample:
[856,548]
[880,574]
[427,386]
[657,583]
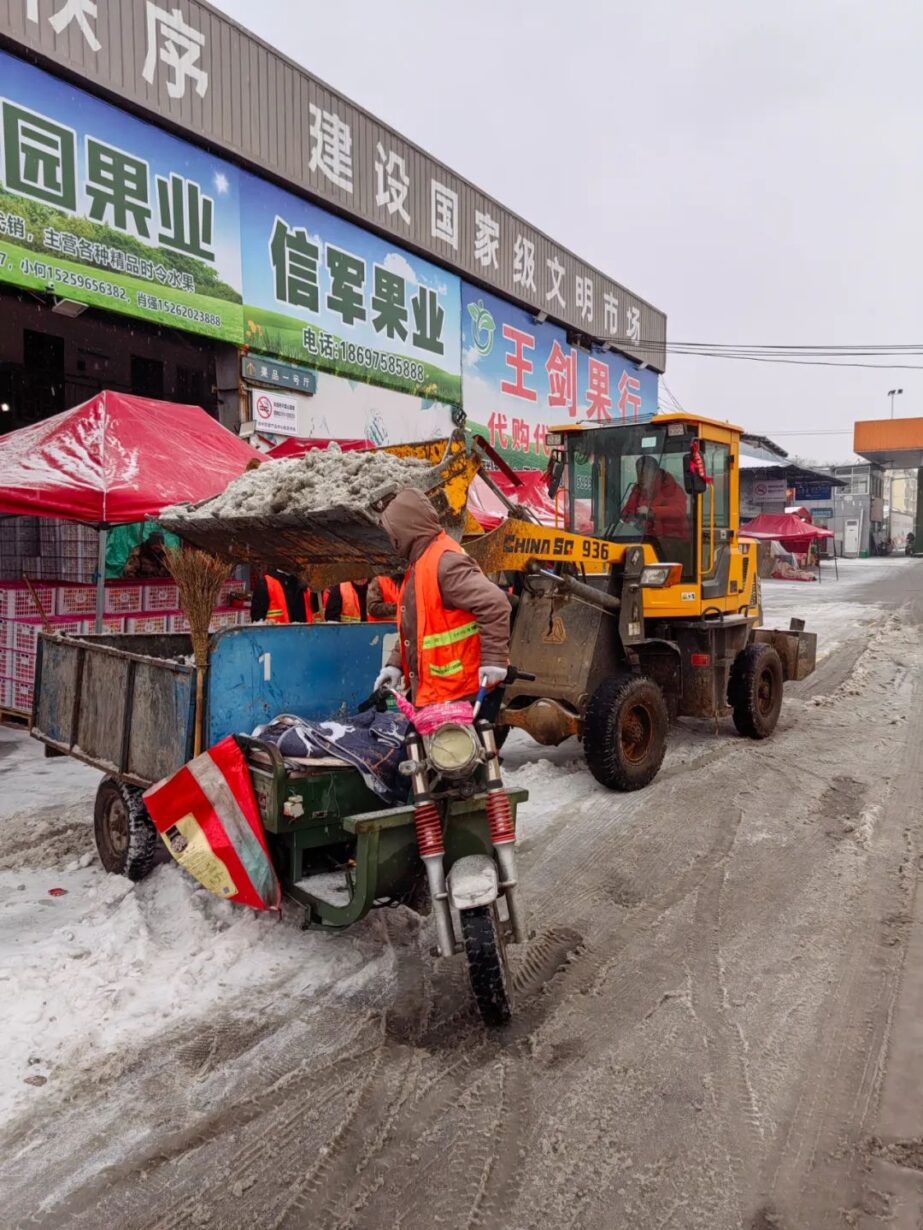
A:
[487,968]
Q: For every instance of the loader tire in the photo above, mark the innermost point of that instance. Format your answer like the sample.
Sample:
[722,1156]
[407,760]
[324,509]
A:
[625,732]
[755,691]
[126,839]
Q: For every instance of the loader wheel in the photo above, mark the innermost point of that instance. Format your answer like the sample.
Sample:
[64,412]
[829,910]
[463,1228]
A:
[755,691]
[625,732]
[125,835]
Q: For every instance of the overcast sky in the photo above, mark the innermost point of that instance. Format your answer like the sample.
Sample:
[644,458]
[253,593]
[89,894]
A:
[752,170]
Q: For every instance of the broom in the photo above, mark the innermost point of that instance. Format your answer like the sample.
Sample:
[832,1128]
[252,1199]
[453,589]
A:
[200,577]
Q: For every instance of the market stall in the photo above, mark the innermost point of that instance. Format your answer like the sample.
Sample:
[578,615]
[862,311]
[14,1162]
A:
[64,484]
[794,534]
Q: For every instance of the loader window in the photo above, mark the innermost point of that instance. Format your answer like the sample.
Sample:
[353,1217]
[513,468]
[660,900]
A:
[714,544]
[636,488]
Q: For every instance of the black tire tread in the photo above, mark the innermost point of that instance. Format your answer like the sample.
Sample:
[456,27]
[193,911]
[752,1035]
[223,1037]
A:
[749,663]
[602,749]
[486,969]
[143,838]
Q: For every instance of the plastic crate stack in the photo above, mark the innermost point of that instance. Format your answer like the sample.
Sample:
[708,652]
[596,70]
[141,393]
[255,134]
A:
[144,606]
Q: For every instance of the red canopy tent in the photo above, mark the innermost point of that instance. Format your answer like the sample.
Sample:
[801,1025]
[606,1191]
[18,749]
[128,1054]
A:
[785,528]
[114,460]
[794,534]
[297,448]
[117,459]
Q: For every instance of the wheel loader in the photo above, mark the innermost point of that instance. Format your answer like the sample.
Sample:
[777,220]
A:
[645,606]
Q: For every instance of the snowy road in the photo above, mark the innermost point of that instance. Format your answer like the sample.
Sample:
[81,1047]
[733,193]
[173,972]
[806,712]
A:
[717,1026]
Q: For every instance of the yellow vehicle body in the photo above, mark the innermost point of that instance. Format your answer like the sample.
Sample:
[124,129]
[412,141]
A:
[513,545]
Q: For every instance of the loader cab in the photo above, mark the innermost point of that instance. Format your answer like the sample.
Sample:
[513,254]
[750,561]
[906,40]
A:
[641,482]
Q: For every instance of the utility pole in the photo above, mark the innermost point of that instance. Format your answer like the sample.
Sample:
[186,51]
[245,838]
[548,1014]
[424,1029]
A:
[892,393]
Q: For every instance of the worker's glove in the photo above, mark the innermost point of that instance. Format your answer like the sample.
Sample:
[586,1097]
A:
[390,677]
[492,676]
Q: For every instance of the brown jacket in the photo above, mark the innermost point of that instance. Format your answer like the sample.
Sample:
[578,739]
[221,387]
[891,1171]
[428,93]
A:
[411,523]
[378,608]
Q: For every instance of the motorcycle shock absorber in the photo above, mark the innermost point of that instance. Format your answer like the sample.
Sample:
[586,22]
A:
[502,829]
[430,842]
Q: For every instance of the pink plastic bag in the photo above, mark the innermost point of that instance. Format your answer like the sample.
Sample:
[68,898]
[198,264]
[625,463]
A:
[431,717]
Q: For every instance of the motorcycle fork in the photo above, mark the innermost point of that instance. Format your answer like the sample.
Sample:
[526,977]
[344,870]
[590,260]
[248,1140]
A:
[502,832]
[431,846]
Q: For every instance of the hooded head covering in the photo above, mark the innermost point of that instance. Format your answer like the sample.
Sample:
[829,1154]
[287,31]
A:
[411,523]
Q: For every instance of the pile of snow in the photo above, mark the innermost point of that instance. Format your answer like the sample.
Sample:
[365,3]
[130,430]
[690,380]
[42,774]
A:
[109,965]
[322,478]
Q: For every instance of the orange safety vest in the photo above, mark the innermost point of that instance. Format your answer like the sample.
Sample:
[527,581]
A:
[278,612]
[278,606]
[352,610]
[448,642]
[390,592]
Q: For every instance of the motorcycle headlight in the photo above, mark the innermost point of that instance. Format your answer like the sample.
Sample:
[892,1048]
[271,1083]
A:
[453,750]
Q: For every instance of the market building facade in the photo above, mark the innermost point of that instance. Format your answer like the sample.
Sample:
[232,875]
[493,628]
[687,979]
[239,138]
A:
[294,266]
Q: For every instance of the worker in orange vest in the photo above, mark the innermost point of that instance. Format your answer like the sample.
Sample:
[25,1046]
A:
[453,623]
[384,593]
[280,598]
[347,603]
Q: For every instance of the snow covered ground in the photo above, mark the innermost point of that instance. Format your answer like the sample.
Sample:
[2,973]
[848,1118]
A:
[106,965]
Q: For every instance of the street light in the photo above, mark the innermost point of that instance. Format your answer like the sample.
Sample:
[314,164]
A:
[892,393]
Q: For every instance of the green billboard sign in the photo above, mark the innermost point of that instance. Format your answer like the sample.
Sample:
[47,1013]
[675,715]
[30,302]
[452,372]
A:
[101,208]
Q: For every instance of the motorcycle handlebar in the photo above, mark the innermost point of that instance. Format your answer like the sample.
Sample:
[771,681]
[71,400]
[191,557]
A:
[514,673]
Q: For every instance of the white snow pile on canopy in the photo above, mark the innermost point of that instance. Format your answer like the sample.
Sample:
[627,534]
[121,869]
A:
[320,479]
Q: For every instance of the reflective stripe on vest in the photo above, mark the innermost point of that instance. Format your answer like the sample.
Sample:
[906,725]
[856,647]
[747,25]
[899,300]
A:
[278,606]
[352,610]
[448,642]
[390,592]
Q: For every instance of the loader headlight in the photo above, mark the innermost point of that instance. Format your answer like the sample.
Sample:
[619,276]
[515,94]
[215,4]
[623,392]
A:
[659,576]
[453,750]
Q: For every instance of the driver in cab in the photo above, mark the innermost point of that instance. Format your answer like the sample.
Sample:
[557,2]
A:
[657,502]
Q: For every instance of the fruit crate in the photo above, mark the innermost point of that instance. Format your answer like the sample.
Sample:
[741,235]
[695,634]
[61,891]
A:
[159,596]
[124,599]
[76,600]
[16,601]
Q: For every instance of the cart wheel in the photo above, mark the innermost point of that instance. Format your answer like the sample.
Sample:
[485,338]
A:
[755,691]
[125,835]
[625,732]
[487,971]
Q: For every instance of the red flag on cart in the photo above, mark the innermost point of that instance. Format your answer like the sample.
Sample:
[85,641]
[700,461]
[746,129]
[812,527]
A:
[208,816]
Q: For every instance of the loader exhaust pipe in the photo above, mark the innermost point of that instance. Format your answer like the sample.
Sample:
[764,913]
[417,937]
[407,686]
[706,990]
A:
[579,589]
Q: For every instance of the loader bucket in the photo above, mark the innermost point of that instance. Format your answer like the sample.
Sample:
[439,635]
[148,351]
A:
[340,543]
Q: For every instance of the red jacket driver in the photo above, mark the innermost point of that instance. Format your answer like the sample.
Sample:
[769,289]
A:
[658,501]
